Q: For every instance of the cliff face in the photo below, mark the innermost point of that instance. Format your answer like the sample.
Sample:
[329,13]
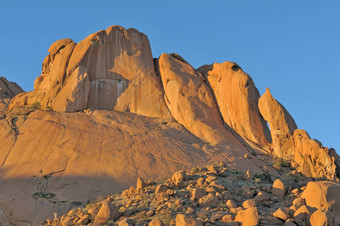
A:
[111,69]
[104,112]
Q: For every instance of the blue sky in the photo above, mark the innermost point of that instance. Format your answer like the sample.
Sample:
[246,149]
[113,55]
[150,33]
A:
[290,46]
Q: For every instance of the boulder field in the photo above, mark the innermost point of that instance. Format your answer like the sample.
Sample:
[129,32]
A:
[104,112]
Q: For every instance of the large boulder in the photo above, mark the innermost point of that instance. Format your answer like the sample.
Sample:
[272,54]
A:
[324,196]
[312,159]
[110,69]
[237,99]
[281,123]
[7,91]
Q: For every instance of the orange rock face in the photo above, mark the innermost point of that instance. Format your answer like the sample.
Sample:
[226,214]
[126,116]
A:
[189,99]
[281,124]
[237,99]
[182,118]
[309,156]
[324,196]
[111,69]
[312,158]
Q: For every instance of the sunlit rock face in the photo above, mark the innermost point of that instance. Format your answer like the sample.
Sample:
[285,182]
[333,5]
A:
[7,91]
[281,124]
[191,102]
[181,118]
[308,156]
[237,98]
[110,69]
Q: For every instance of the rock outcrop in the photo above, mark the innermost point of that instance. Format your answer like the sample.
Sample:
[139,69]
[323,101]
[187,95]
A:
[237,99]
[103,113]
[312,159]
[7,91]
[281,124]
[324,196]
[110,69]
[51,160]
[190,101]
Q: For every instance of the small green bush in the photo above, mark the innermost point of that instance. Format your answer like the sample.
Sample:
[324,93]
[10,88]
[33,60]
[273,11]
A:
[36,105]
[280,162]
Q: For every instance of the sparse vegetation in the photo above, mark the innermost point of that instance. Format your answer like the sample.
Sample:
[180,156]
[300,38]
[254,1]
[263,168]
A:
[36,105]
[280,162]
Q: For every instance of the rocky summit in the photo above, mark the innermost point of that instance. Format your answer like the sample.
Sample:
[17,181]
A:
[104,113]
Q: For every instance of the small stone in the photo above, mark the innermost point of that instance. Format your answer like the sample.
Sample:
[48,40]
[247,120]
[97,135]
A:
[197,193]
[248,217]
[289,223]
[150,213]
[190,187]
[160,189]
[212,169]
[107,211]
[180,178]
[228,218]
[279,189]
[156,222]
[183,220]
[126,222]
[68,221]
[249,193]
[85,219]
[226,195]
[210,179]
[140,183]
[295,191]
[231,204]
[218,186]
[190,210]
[281,213]
[248,203]
[200,181]
[302,216]
[262,197]
[299,202]
[209,200]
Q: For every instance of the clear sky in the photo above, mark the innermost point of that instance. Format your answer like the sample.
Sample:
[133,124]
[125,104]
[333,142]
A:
[290,46]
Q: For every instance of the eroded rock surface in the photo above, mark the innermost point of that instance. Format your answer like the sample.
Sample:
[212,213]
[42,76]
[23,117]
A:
[7,91]
[110,69]
[281,124]
[51,160]
[237,99]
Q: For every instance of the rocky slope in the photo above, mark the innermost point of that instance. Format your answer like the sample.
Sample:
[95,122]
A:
[215,195]
[103,112]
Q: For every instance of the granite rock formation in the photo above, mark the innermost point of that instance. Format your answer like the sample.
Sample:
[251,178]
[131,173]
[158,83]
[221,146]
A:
[111,69]
[103,112]
[237,99]
[7,91]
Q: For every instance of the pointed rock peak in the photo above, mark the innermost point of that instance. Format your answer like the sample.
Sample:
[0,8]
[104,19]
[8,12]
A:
[267,92]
